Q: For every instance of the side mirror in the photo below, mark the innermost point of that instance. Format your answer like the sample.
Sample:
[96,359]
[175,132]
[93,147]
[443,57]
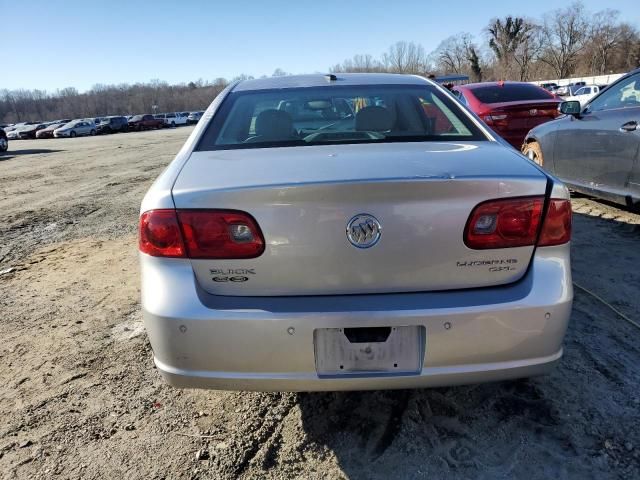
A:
[570,108]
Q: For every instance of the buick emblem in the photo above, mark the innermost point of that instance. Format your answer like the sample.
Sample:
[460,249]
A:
[533,112]
[363,230]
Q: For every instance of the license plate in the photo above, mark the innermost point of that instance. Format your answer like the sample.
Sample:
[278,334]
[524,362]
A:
[362,351]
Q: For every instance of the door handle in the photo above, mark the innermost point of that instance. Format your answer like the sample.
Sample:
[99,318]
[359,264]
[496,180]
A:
[629,126]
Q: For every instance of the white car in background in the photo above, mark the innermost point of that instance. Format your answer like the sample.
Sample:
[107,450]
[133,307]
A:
[15,133]
[172,119]
[584,94]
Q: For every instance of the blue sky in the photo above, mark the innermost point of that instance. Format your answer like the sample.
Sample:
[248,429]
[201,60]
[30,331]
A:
[50,44]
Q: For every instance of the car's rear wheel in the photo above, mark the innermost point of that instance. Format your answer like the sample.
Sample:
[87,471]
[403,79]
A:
[92,133]
[4,145]
[72,134]
[533,152]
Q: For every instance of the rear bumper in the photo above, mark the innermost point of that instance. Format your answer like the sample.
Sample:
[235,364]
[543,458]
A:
[206,341]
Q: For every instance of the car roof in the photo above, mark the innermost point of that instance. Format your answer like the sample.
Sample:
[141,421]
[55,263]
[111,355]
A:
[319,80]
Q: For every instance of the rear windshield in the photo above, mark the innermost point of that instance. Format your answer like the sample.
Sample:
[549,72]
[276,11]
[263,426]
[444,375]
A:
[510,93]
[336,115]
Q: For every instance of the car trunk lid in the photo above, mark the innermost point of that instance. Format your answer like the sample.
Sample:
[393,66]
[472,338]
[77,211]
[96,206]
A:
[303,198]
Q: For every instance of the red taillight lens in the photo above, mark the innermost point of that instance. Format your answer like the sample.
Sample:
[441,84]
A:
[160,234]
[515,223]
[220,234]
[504,223]
[214,234]
[497,119]
[556,229]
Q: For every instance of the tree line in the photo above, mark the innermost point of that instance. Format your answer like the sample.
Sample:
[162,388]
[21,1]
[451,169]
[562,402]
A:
[102,100]
[566,42]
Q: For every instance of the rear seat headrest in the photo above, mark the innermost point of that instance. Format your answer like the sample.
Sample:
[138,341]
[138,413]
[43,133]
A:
[374,119]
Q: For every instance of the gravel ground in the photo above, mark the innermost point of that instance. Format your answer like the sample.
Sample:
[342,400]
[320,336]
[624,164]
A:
[80,398]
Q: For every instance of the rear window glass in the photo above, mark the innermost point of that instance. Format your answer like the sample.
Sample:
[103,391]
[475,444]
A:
[336,115]
[510,93]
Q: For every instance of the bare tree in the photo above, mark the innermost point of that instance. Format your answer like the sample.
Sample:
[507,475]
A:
[452,55]
[474,62]
[100,100]
[528,52]
[405,57]
[514,43]
[564,34]
[359,63]
[605,34]
[627,53]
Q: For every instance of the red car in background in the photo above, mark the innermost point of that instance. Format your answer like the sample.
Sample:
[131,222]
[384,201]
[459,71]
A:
[145,122]
[511,109]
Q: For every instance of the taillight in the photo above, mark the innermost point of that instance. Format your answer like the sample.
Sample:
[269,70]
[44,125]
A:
[160,234]
[220,234]
[515,222]
[556,229]
[497,120]
[504,223]
[203,234]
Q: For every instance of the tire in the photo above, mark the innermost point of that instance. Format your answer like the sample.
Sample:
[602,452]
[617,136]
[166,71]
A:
[533,152]
[4,145]
[92,133]
[72,134]
[173,124]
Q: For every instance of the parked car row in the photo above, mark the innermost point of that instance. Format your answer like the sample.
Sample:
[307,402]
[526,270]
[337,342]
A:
[93,126]
[576,89]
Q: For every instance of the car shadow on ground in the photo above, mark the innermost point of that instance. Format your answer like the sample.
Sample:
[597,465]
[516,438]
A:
[459,432]
[8,155]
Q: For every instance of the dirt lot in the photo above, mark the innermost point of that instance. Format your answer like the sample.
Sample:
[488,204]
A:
[79,396]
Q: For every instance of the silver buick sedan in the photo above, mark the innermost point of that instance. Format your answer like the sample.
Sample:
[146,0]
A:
[347,232]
